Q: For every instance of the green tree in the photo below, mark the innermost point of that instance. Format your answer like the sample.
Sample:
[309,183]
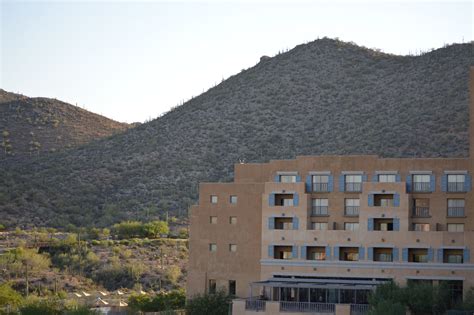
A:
[128,229]
[425,298]
[172,274]
[156,228]
[163,301]
[468,303]
[36,306]
[136,270]
[210,304]
[9,298]
[27,262]
[183,233]
[82,310]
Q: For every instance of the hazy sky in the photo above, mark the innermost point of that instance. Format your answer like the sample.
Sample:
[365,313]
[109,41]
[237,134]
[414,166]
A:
[132,61]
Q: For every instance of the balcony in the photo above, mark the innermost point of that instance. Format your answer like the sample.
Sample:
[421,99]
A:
[421,212]
[456,187]
[383,225]
[383,257]
[421,187]
[284,200]
[283,252]
[307,307]
[456,212]
[319,211]
[315,253]
[359,309]
[320,187]
[255,305]
[453,256]
[418,255]
[349,254]
[353,187]
[351,211]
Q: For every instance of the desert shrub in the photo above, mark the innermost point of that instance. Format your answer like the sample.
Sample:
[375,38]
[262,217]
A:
[9,298]
[210,304]
[163,301]
[82,310]
[35,306]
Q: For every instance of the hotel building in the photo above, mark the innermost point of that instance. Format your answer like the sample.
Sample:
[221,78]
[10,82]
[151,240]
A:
[318,233]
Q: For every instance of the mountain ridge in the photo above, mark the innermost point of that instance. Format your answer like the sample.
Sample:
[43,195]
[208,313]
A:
[326,97]
[40,125]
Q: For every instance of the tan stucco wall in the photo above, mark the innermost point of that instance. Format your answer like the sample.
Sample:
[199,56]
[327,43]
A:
[223,265]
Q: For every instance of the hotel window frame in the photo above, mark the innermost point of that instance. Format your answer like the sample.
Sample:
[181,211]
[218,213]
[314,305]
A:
[320,224]
[456,186]
[386,176]
[457,226]
[212,247]
[320,186]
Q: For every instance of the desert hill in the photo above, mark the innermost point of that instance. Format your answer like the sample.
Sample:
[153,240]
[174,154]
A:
[324,97]
[37,126]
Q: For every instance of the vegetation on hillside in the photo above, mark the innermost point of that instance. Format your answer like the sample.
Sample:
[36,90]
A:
[324,97]
[36,126]
[45,262]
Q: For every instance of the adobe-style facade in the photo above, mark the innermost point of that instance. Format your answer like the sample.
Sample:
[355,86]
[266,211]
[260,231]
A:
[318,233]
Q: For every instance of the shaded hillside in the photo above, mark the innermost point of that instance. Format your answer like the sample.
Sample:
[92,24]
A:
[35,126]
[325,97]
[8,96]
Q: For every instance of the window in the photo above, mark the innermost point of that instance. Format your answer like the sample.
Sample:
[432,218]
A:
[421,183]
[453,256]
[387,178]
[421,227]
[456,183]
[383,254]
[318,256]
[383,200]
[233,199]
[283,252]
[233,220]
[288,178]
[352,207]
[456,207]
[212,286]
[320,207]
[383,224]
[353,183]
[320,226]
[232,287]
[213,220]
[286,200]
[418,255]
[455,227]
[421,208]
[232,248]
[349,253]
[283,223]
[321,183]
[315,253]
[212,247]
[349,226]
[213,199]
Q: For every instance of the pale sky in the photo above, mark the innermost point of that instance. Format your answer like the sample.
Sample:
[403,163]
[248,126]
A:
[132,61]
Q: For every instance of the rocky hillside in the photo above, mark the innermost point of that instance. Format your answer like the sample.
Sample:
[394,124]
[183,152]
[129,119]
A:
[325,97]
[36,126]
